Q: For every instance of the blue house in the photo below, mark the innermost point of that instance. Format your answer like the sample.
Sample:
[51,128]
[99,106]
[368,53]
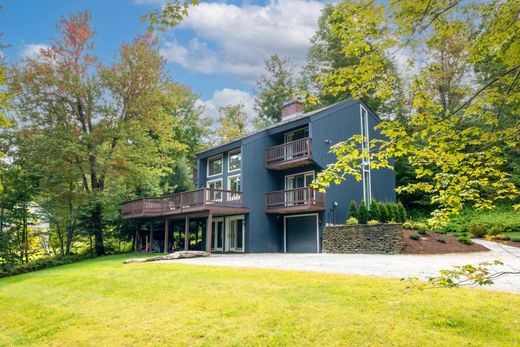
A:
[254,192]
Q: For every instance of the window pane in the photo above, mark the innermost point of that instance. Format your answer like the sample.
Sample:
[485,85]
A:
[239,235]
[234,184]
[234,161]
[215,166]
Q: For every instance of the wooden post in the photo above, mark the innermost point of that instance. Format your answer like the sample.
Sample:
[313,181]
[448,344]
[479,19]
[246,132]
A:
[146,247]
[187,234]
[209,231]
[166,231]
[136,237]
[151,238]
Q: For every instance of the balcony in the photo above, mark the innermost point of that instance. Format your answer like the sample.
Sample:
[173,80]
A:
[202,200]
[295,200]
[289,155]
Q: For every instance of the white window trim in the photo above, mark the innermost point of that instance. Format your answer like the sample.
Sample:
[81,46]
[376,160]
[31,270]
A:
[221,156]
[294,131]
[301,215]
[215,180]
[214,242]
[297,174]
[229,181]
[233,152]
[366,164]
[228,229]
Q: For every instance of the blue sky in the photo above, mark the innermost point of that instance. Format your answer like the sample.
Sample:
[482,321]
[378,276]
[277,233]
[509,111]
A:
[218,50]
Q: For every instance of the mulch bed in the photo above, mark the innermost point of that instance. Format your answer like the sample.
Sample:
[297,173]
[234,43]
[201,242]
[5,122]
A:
[428,244]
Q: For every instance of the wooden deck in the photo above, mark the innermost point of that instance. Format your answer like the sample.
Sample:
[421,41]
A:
[289,155]
[201,201]
[295,200]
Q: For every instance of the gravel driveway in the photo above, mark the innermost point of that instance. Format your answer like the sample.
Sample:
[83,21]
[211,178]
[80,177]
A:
[375,264]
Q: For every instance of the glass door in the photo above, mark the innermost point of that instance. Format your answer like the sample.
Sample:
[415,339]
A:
[235,234]
[217,234]
[292,182]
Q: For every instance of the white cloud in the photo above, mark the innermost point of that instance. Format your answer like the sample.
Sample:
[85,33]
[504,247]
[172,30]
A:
[225,97]
[245,36]
[32,50]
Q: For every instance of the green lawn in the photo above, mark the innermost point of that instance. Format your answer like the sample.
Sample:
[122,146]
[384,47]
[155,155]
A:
[103,302]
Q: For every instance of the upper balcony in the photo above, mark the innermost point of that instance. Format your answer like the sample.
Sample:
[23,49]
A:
[204,200]
[288,155]
[304,199]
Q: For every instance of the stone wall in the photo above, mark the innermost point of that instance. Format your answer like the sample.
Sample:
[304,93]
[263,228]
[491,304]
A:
[363,238]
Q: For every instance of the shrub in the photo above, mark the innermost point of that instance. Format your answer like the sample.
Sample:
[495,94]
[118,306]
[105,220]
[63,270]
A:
[422,231]
[408,225]
[441,240]
[41,264]
[496,230]
[402,212]
[383,210]
[465,240]
[391,211]
[363,214]
[419,225]
[373,221]
[415,237]
[478,229]
[352,209]
[352,221]
[374,212]
[515,239]
[440,232]
[502,237]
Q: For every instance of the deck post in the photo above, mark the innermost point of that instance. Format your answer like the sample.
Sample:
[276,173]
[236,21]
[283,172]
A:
[151,238]
[209,232]
[166,231]
[136,237]
[187,234]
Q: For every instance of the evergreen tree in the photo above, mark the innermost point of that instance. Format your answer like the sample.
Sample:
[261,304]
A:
[402,212]
[352,209]
[363,213]
[391,211]
[374,212]
[385,217]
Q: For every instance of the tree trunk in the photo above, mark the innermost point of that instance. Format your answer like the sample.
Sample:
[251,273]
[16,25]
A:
[97,229]
[60,238]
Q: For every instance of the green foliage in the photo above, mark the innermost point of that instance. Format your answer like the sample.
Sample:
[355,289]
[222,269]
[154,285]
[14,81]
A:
[233,123]
[503,216]
[402,212]
[478,229]
[391,212]
[373,222]
[408,225]
[385,215]
[422,231]
[465,240]
[415,237]
[352,209]
[352,221]
[40,264]
[515,239]
[374,212]
[169,16]
[441,240]
[363,215]
[465,274]
[274,87]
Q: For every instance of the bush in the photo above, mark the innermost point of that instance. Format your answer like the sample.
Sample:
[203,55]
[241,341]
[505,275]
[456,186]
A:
[408,225]
[465,240]
[440,232]
[402,212]
[422,231]
[373,221]
[515,239]
[363,213]
[352,209]
[391,211]
[419,225]
[502,237]
[441,240]
[41,264]
[415,237]
[383,210]
[352,221]
[374,212]
[478,229]
[496,230]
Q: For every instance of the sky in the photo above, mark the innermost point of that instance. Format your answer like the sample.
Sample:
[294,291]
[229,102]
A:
[218,50]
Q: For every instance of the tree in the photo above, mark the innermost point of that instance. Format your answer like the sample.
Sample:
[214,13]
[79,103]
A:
[352,209]
[233,122]
[402,212]
[171,14]
[452,138]
[362,214]
[374,212]
[114,122]
[385,214]
[275,86]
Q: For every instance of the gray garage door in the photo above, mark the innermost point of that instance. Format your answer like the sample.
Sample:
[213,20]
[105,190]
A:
[300,234]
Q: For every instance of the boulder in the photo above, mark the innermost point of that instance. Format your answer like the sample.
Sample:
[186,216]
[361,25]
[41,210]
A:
[170,256]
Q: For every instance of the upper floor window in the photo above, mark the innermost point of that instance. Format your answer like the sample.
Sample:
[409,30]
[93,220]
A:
[296,135]
[215,165]
[234,160]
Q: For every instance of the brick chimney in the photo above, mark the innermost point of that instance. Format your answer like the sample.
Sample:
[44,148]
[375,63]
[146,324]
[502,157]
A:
[291,108]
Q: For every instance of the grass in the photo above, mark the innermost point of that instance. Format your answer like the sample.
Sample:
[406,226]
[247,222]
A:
[104,302]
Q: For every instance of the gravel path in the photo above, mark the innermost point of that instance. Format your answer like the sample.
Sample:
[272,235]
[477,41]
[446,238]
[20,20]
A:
[398,266]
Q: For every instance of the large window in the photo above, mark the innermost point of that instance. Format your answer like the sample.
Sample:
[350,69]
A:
[234,160]
[234,183]
[214,196]
[367,185]
[215,166]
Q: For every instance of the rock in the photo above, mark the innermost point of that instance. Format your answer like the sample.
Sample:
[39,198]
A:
[171,256]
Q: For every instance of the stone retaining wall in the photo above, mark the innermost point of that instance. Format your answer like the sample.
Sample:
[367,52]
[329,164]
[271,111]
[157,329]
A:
[363,238]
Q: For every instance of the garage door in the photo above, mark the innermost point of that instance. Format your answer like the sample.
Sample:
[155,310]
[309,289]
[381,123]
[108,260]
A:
[301,234]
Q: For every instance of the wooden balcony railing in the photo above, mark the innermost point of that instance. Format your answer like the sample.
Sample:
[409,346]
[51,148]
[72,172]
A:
[199,199]
[289,154]
[295,200]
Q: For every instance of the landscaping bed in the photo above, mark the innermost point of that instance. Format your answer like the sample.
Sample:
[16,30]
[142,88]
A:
[429,244]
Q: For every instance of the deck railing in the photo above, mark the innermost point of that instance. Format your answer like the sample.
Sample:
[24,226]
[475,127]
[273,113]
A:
[288,151]
[293,198]
[182,202]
